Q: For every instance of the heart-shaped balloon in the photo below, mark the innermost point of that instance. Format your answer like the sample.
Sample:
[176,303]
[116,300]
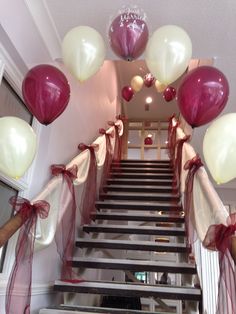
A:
[17,145]
[219,148]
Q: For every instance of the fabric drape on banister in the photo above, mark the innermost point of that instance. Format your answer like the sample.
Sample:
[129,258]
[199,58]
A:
[21,275]
[51,193]
[89,194]
[208,208]
[219,238]
[65,236]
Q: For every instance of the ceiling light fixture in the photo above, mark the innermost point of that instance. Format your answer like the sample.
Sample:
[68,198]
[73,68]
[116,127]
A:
[148,100]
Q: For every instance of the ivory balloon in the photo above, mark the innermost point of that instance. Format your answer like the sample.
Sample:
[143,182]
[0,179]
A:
[17,145]
[219,148]
[137,83]
[168,53]
[160,86]
[83,52]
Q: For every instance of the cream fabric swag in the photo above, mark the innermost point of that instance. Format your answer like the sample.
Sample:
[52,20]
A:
[46,228]
[208,207]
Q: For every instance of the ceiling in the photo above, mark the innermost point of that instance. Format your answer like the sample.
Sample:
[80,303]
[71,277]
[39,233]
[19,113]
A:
[42,25]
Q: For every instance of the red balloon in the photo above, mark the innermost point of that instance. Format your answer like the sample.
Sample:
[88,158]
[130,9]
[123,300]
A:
[128,35]
[127,93]
[169,93]
[46,92]
[148,141]
[149,80]
[202,95]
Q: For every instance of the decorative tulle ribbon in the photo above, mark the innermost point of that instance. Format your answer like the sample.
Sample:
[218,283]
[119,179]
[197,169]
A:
[89,194]
[117,147]
[178,159]
[108,157]
[65,234]
[18,294]
[122,118]
[192,166]
[172,127]
[219,238]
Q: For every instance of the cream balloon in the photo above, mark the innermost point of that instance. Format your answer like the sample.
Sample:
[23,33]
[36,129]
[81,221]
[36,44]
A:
[83,52]
[17,146]
[168,53]
[219,148]
[137,83]
[160,86]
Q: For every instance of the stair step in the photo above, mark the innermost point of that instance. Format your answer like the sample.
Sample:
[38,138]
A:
[138,196]
[150,161]
[142,170]
[139,189]
[132,245]
[140,176]
[130,290]
[138,217]
[142,165]
[146,206]
[134,265]
[93,309]
[137,181]
[129,229]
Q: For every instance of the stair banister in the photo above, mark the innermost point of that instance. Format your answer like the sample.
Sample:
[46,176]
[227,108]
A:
[46,228]
[208,209]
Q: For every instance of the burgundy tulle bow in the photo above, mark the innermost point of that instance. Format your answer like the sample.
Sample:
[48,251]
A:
[65,235]
[172,137]
[121,117]
[87,205]
[192,166]
[108,157]
[178,159]
[21,275]
[219,238]
[61,169]
[117,147]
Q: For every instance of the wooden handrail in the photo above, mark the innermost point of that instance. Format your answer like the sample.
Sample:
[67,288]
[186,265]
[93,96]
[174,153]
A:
[9,228]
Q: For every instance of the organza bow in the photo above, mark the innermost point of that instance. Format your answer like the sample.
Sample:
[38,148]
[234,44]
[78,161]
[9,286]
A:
[117,147]
[87,205]
[192,166]
[65,235]
[108,157]
[219,238]
[172,127]
[21,274]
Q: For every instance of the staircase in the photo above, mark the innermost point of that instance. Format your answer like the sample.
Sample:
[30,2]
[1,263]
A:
[140,218]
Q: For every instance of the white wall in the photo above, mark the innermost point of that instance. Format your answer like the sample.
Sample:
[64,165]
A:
[92,104]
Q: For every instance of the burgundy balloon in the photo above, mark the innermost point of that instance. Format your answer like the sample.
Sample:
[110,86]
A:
[148,141]
[46,92]
[149,80]
[127,93]
[128,35]
[202,95]
[169,93]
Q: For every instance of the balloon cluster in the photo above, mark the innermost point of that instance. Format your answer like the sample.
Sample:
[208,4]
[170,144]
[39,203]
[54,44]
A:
[148,80]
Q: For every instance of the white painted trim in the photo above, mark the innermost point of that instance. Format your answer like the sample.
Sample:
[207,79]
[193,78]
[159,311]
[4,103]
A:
[15,78]
[37,289]
[12,73]
[2,66]
[43,20]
